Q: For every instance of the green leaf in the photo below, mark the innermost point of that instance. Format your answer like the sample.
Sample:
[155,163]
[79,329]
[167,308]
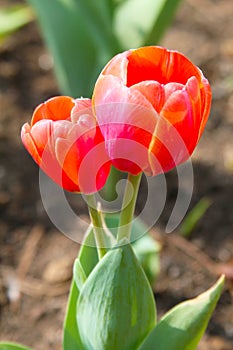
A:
[144,246]
[79,274]
[13,18]
[12,346]
[79,36]
[183,326]
[147,251]
[88,258]
[71,337]
[144,21]
[116,309]
[194,216]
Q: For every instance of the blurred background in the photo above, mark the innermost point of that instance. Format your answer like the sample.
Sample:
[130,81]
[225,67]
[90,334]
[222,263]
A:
[33,252]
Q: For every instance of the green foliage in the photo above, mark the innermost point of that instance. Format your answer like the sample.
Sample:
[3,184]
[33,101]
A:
[87,259]
[79,36]
[183,326]
[83,35]
[12,346]
[144,246]
[13,18]
[194,216]
[115,308]
[144,21]
[146,250]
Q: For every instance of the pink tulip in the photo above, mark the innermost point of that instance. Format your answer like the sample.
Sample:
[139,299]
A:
[152,105]
[66,143]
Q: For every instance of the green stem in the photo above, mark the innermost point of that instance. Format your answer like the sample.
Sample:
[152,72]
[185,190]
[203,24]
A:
[97,225]
[128,206]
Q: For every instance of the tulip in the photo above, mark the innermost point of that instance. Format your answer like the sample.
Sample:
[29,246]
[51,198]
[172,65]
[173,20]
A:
[66,143]
[152,105]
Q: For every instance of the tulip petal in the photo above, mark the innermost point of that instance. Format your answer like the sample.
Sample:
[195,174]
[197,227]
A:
[83,106]
[153,91]
[117,104]
[68,158]
[159,64]
[29,143]
[170,88]
[56,108]
[118,66]
[206,97]
[40,133]
[177,108]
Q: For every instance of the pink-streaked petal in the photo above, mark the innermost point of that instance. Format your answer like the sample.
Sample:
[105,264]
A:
[83,159]
[68,158]
[117,104]
[177,107]
[193,90]
[153,91]
[41,135]
[83,106]
[29,143]
[170,88]
[118,66]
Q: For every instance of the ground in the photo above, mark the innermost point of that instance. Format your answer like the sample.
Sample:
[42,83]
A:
[33,251]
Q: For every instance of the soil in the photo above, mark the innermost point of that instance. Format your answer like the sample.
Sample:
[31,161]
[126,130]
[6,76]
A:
[34,253]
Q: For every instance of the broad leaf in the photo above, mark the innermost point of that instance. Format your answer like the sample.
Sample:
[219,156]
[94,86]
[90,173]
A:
[80,38]
[12,346]
[116,309]
[144,246]
[183,326]
[88,258]
[144,21]
[79,274]
[147,251]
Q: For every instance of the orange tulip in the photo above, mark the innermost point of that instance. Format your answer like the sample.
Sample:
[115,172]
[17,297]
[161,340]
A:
[65,142]
[152,105]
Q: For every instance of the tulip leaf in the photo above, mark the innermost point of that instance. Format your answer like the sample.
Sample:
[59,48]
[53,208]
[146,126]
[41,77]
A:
[13,18]
[87,259]
[12,346]
[183,326]
[194,216]
[144,246]
[147,251]
[80,39]
[119,293]
[144,21]
[79,274]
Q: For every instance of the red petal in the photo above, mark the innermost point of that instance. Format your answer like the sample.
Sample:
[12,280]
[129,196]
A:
[157,63]
[56,108]
[206,97]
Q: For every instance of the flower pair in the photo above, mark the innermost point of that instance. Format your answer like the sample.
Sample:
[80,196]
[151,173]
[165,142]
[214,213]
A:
[148,111]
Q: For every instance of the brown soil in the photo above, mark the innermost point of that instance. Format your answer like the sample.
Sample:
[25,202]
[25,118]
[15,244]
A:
[33,251]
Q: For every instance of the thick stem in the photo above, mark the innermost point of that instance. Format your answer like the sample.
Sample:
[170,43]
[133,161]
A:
[97,226]
[128,206]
